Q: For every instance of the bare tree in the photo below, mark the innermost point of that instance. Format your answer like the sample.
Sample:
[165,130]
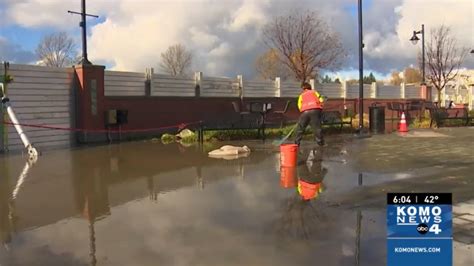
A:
[176,60]
[443,58]
[412,75]
[395,78]
[269,66]
[57,50]
[352,81]
[305,43]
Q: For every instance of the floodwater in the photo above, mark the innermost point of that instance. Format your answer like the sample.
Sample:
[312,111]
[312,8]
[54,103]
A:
[144,203]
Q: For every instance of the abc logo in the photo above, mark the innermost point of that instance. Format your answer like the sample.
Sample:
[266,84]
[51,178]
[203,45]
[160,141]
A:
[422,229]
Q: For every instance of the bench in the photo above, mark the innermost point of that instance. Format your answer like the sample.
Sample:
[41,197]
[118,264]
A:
[243,119]
[334,118]
[248,120]
[230,125]
[331,118]
[439,115]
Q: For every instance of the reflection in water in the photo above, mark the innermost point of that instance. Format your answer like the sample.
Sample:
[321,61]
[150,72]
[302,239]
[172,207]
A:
[199,179]
[229,156]
[7,200]
[311,175]
[130,171]
[91,195]
[21,179]
[114,189]
[288,177]
[304,217]
[6,227]
[358,227]
[153,195]
[300,216]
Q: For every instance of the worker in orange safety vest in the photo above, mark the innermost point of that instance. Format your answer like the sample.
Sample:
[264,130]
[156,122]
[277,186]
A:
[310,104]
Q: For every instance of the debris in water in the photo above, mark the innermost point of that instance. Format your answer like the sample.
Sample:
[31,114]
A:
[230,152]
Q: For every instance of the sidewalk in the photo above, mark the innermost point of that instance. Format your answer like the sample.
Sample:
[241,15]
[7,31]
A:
[463,233]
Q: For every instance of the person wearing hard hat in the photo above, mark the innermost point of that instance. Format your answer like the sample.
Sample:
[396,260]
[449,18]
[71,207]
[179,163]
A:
[310,176]
[310,104]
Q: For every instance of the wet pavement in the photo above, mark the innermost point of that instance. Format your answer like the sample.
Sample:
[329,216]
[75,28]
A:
[144,203]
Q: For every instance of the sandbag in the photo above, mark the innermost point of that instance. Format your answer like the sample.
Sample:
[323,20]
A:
[185,133]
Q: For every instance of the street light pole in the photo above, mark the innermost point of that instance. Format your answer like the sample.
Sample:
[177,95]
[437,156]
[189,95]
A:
[85,60]
[414,39]
[82,24]
[361,70]
[423,51]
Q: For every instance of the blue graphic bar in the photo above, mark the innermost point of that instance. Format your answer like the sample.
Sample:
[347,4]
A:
[419,229]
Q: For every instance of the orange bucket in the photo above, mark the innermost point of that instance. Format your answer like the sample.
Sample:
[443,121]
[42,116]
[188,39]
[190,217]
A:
[288,155]
[288,177]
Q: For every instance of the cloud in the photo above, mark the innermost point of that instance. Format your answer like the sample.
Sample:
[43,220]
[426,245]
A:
[222,50]
[202,38]
[458,15]
[14,53]
[138,44]
[250,14]
[49,13]
[388,34]
[225,37]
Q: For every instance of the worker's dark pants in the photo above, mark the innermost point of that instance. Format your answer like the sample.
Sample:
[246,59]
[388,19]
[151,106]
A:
[310,168]
[312,117]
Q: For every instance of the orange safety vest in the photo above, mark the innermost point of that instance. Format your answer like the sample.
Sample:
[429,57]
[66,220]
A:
[308,190]
[310,100]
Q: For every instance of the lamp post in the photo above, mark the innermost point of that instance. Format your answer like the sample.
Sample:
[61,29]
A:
[361,68]
[361,131]
[414,39]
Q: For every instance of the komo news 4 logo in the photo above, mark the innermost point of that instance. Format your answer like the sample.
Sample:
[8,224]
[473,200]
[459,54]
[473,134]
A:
[417,225]
[421,216]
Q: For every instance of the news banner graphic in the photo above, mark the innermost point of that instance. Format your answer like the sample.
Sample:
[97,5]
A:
[419,229]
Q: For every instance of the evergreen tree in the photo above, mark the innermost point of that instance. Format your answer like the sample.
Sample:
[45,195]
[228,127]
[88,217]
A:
[369,79]
[326,79]
[372,77]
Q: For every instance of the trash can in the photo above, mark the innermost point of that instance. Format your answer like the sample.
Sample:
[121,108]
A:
[377,119]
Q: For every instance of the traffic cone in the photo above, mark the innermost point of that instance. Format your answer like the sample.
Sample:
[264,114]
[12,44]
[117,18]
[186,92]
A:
[403,124]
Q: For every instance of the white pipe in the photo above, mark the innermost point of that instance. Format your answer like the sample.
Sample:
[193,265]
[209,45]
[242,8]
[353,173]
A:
[32,152]
[14,120]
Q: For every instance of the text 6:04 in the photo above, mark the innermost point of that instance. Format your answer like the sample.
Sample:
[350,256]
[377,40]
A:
[401,199]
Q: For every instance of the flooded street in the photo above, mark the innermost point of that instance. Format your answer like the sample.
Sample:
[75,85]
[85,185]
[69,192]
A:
[145,203]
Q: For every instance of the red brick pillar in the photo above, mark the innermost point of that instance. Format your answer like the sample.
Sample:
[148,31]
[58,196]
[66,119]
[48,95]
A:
[89,93]
[425,92]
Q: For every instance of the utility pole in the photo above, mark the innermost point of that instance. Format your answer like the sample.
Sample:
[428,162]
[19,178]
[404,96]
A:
[423,50]
[82,24]
[361,70]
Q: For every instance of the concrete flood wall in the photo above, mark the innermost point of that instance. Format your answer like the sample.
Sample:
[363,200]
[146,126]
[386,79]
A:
[81,98]
[124,83]
[40,96]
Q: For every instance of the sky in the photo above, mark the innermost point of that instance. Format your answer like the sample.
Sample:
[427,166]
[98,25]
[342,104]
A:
[225,35]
